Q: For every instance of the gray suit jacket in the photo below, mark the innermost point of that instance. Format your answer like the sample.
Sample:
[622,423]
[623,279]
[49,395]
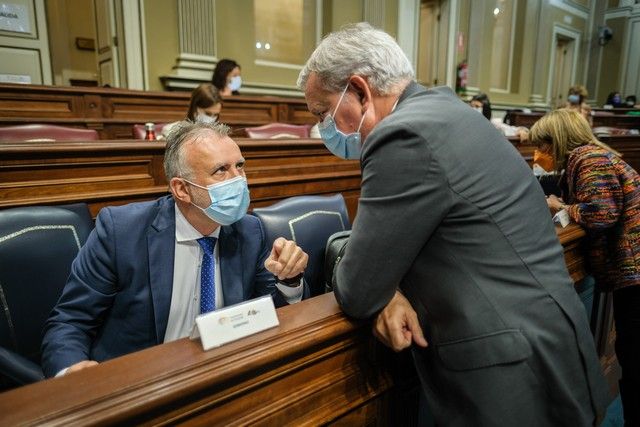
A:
[451,213]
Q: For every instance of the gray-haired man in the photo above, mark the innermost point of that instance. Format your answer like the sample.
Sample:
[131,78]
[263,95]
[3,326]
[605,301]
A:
[140,278]
[445,243]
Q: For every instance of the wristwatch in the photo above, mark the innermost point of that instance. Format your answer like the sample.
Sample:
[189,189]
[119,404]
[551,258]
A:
[291,281]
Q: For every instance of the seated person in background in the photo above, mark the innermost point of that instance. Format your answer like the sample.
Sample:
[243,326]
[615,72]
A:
[226,77]
[614,100]
[205,106]
[575,101]
[481,104]
[602,194]
[631,102]
[137,281]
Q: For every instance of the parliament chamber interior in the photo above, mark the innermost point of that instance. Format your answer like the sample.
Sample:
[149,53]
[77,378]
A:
[88,93]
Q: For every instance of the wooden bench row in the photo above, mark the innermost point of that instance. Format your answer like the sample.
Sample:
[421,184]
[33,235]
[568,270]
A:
[105,173]
[623,121]
[112,112]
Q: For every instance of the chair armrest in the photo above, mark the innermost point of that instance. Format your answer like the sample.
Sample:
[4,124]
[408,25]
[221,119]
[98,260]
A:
[18,368]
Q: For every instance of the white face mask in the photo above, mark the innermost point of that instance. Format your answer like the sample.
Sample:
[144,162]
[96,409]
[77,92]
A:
[204,118]
[478,109]
[235,83]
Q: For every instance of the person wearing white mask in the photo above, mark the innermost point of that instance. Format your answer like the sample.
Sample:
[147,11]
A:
[226,77]
[150,268]
[205,106]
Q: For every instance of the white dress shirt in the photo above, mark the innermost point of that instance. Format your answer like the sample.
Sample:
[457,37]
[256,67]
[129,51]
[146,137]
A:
[185,295]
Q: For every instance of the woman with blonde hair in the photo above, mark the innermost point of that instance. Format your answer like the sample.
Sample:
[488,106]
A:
[601,192]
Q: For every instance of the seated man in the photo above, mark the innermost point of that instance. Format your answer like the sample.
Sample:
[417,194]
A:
[137,281]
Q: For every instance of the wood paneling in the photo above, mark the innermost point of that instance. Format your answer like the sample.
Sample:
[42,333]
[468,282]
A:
[622,121]
[118,172]
[112,112]
[316,368]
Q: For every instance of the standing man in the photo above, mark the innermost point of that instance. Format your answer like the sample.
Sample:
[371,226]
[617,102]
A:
[148,269]
[453,237]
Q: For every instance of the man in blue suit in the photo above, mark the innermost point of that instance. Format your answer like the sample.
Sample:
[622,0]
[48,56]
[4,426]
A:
[148,269]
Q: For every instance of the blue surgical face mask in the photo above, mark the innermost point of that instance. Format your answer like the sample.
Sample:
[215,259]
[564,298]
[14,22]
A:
[229,200]
[573,99]
[346,146]
[235,83]
[203,118]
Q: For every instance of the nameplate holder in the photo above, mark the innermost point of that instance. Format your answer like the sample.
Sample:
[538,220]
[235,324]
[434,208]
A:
[234,322]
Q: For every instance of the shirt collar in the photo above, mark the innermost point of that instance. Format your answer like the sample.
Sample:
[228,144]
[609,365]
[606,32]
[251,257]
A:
[185,231]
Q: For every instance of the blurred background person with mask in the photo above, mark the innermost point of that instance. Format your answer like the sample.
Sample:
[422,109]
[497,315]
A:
[482,105]
[226,77]
[205,107]
[614,100]
[576,101]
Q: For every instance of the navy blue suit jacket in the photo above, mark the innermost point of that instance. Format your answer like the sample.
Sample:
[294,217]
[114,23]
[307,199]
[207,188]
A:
[118,295]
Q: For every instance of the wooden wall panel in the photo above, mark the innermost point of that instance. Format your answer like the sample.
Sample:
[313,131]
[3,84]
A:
[112,111]
[118,172]
[611,120]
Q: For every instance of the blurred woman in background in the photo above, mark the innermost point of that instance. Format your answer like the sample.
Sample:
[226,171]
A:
[601,192]
[205,106]
[576,101]
[226,77]
[481,104]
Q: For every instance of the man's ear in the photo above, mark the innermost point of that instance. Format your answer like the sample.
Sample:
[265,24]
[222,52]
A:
[179,189]
[360,86]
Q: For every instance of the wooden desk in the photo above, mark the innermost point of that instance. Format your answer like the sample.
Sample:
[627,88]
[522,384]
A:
[628,146]
[613,120]
[105,173]
[317,367]
[112,111]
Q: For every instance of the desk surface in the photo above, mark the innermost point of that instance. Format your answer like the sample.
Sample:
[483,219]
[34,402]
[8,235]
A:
[317,366]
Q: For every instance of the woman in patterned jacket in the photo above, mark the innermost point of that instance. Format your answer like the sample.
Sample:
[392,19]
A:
[602,194]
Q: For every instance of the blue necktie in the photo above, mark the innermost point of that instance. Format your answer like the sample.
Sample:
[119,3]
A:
[207,275]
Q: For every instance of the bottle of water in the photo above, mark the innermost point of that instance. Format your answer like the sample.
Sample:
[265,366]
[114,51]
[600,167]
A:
[151,131]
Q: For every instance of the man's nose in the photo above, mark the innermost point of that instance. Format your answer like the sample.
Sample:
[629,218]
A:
[235,172]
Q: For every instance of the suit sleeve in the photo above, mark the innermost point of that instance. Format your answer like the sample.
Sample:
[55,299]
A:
[404,197]
[85,300]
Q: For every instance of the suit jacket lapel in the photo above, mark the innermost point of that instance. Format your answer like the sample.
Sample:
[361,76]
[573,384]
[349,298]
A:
[231,270]
[161,249]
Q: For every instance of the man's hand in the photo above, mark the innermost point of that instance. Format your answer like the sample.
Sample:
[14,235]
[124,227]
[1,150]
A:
[81,365]
[397,325]
[286,260]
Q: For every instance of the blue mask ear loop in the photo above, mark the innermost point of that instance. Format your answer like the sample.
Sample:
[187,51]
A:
[333,116]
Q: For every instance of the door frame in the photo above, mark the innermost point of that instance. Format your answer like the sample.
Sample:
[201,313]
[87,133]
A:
[571,33]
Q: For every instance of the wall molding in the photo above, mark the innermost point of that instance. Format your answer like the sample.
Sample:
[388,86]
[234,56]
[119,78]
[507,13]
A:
[572,33]
[574,9]
[512,42]
[409,29]
[276,64]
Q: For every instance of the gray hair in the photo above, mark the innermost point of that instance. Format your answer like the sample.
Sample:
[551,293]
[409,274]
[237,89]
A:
[175,164]
[358,49]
